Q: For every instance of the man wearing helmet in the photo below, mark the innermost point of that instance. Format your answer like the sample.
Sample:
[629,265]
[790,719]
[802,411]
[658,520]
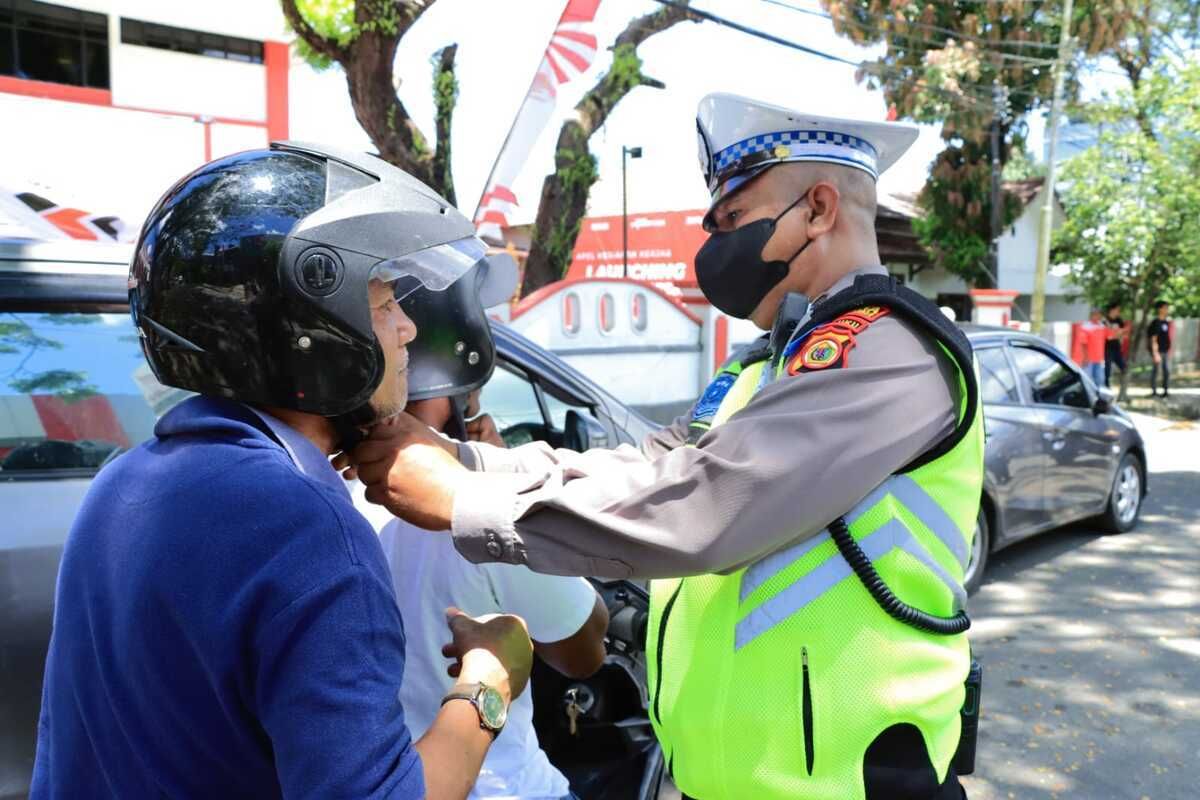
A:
[225,624]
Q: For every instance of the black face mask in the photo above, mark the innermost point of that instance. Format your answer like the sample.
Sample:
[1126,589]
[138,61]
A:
[730,269]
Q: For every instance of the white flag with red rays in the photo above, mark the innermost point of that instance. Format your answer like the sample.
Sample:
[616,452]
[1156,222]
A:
[571,51]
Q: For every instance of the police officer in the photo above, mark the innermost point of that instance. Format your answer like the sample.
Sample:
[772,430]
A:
[225,624]
[819,499]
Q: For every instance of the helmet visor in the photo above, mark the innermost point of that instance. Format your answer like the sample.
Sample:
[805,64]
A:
[434,268]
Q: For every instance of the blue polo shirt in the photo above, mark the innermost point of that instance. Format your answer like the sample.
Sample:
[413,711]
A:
[224,627]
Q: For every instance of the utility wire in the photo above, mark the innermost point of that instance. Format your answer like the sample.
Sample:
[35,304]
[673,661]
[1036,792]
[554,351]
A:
[966,99]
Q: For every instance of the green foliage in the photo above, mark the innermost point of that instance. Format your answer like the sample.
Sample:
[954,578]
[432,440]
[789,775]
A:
[1132,201]
[943,59]
[1022,167]
[956,225]
[333,19]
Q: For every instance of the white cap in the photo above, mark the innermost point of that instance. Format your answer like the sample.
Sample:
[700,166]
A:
[740,137]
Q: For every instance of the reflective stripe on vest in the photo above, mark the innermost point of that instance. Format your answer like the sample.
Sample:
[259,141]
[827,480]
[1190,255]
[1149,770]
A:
[828,574]
[909,494]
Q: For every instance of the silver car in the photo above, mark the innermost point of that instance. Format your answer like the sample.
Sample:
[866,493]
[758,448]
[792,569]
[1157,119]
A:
[1059,450]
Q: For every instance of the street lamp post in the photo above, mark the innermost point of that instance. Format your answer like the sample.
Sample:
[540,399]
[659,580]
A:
[626,153]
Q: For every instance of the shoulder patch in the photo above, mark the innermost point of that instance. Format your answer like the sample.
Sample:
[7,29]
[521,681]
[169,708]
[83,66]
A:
[829,345]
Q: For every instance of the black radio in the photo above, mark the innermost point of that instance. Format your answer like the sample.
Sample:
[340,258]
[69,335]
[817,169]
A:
[964,757]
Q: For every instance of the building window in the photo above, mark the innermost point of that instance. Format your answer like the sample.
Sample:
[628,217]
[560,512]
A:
[165,37]
[570,314]
[638,312]
[608,313]
[43,42]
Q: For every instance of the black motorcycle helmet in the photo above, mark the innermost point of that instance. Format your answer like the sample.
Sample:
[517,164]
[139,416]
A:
[250,276]
[453,354]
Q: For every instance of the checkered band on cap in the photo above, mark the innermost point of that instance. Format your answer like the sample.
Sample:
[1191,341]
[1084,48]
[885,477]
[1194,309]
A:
[804,145]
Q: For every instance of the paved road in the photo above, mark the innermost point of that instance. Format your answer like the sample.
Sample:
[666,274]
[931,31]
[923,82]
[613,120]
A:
[1091,650]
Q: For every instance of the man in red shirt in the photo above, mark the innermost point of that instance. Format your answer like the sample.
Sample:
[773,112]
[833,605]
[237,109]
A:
[1095,334]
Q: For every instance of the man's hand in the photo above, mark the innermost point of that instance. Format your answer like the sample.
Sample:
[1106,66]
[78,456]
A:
[1157,358]
[492,649]
[483,429]
[409,470]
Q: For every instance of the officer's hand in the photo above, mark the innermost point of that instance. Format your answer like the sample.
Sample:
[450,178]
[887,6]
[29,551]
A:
[409,470]
[483,429]
[492,649]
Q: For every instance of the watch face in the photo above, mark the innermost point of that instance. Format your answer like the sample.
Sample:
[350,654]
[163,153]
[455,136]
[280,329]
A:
[492,708]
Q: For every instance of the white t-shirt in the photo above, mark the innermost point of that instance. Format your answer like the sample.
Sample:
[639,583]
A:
[428,575]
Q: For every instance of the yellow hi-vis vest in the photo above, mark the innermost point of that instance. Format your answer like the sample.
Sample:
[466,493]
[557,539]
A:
[732,657]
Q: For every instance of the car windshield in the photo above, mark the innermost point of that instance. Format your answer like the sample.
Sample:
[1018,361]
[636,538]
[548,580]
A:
[75,391]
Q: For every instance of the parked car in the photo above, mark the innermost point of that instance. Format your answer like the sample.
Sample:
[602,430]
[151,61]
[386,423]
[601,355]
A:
[75,392]
[1059,449]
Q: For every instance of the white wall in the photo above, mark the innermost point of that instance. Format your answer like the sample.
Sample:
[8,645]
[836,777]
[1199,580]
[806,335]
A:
[162,80]
[1018,251]
[661,365]
[96,158]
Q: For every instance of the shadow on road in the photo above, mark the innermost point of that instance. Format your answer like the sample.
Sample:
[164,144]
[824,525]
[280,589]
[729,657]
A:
[1173,497]
[1091,644]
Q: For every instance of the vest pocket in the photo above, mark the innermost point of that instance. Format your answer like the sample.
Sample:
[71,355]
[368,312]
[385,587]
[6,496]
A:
[658,653]
[806,712]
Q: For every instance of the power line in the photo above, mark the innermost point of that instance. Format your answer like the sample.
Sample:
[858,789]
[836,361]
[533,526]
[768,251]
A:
[966,99]
[755,32]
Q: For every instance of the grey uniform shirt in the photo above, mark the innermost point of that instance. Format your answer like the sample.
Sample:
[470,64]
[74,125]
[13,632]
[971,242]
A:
[806,449]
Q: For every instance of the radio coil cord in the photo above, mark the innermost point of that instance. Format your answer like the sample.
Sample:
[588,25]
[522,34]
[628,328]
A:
[887,600]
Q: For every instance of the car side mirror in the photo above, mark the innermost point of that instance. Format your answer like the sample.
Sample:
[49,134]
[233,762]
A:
[583,432]
[1104,400]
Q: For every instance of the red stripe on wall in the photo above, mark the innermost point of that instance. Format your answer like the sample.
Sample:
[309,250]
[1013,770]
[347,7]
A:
[720,341]
[55,91]
[277,58]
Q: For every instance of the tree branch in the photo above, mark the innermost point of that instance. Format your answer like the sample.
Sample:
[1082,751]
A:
[445,97]
[642,28]
[318,43]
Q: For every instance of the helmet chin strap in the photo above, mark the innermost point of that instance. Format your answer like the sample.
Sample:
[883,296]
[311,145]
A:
[350,428]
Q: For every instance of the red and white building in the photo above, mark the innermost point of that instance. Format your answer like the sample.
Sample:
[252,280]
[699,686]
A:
[105,102]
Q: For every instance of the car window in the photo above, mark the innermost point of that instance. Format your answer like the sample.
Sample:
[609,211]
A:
[75,391]
[510,399]
[997,384]
[1050,381]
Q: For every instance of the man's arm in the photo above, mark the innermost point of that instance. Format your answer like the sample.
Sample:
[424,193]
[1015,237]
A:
[326,691]
[566,618]
[805,450]
[581,653]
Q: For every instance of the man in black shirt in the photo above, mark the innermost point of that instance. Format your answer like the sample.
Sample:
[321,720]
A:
[1159,334]
[1117,331]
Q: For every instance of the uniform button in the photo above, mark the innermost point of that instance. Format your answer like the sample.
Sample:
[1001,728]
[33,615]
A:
[494,549]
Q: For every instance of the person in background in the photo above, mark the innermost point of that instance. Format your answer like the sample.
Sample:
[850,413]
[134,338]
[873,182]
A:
[1159,334]
[565,616]
[1095,337]
[1118,329]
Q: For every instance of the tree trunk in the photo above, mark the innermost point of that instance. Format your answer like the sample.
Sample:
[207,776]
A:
[561,209]
[368,61]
